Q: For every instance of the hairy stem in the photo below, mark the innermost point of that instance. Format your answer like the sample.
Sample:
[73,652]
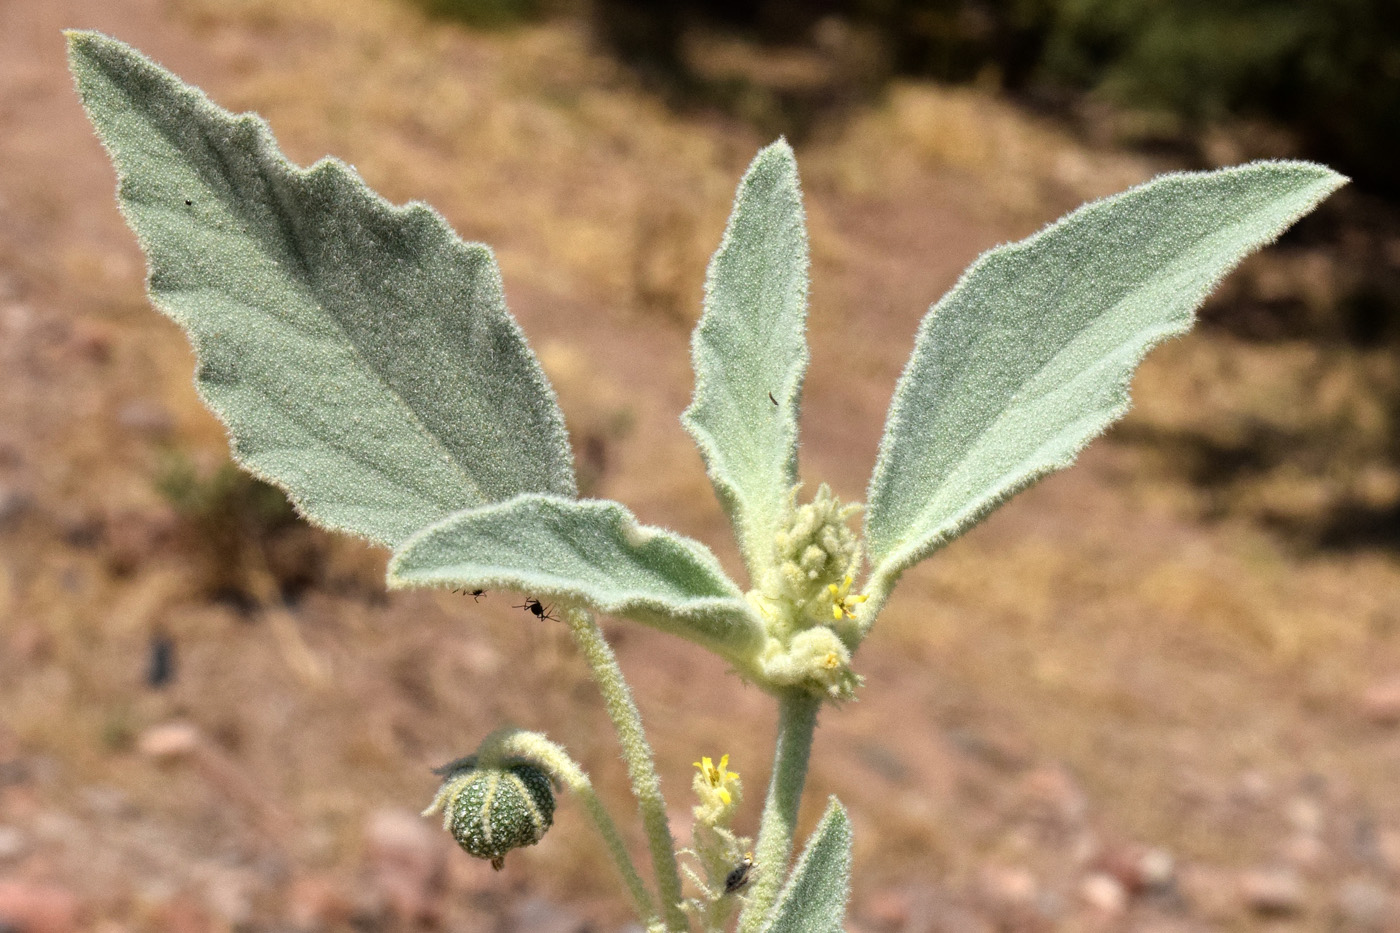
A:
[797,720]
[641,766]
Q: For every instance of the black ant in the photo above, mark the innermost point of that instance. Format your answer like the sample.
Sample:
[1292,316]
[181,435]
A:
[474,594]
[540,610]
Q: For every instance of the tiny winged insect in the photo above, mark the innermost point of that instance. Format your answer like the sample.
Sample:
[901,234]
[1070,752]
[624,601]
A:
[539,609]
[738,877]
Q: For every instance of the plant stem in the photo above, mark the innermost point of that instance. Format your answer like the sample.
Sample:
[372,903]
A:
[797,720]
[641,766]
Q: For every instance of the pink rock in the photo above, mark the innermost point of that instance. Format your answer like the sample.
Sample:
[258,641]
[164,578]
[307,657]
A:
[1305,852]
[1388,848]
[318,903]
[1274,892]
[1136,867]
[1008,886]
[406,858]
[1305,814]
[171,741]
[1053,791]
[37,908]
[1104,893]
[1380,703]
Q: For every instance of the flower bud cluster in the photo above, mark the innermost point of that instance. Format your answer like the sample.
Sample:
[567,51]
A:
[804,598]
[716,848]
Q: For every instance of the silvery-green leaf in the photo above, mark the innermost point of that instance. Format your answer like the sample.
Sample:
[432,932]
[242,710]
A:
[814,899]
[360,354]
[1029,356]
[590,553]
[750,351]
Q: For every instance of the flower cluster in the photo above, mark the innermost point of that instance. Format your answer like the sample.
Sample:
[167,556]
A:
[804,597]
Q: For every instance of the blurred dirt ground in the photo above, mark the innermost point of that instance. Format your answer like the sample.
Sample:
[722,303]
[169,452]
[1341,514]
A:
[1125,703]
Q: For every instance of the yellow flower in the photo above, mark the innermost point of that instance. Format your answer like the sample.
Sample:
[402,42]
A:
[718,779]
[842,603]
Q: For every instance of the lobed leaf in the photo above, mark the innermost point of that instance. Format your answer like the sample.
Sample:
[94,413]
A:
[1029,357]
[814,899]
[589,553]
[750,351]
[360,354]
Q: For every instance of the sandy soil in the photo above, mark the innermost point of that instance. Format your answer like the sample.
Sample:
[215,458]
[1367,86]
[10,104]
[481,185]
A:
[1098,711]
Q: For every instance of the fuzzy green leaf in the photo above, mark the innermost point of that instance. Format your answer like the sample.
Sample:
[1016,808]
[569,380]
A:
[1029,357]
[814,899]
[590,553]
[750,351]
[360,354]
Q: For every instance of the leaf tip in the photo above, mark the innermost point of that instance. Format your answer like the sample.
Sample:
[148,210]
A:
[778,152]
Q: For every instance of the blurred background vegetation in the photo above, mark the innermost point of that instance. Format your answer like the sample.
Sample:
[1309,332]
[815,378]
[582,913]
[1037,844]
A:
[1326,72]
[1203,83]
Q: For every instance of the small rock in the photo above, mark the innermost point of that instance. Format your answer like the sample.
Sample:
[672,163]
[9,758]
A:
[1253,788]
[1157,870]
[1104,893]
[318,903]
[1273,892]
[31,644]
[228,895]
[1380,703]
[145,417]
[1008,886]
[1388,851]
[1365,905]
[37,908]
[1137,868]
[171,741]
[1305,814]
[1055,793]
[1306,852]
[407,859]
[12,843]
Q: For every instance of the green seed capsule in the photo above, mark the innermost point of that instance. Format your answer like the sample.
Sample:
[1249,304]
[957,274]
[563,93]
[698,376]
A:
[493,810]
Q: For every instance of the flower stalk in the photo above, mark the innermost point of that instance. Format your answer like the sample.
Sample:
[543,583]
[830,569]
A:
[641,763]
[797,722]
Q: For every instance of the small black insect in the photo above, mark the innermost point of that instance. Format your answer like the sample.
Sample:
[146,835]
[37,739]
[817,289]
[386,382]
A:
[474,594]
[738,878]
[188,202]
[772,399]
[540,610]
